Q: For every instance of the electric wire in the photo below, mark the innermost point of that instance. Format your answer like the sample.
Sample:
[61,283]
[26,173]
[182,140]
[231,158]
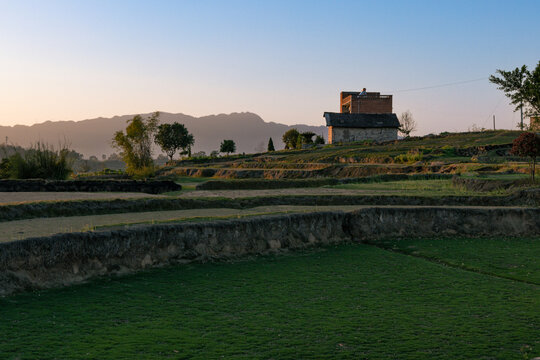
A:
[439,86]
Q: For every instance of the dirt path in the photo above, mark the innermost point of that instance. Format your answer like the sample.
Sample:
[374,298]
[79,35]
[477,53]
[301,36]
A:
[26,197]
[22,197]
[21,229]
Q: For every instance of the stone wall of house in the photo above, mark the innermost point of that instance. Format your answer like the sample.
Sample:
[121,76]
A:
[66,259]
[342,134]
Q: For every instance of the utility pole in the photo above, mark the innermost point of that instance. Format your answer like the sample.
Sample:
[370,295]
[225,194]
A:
[493,121]
[521,110]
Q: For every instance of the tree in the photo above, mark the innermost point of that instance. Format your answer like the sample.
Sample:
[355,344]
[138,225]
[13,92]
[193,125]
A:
[522,87]
[299,141]
[227,146]
[290,138]
[135,144]
[407,124]
[271,145]
[173,137]
[307,137]
[319,140]
[189,141]
[527,145]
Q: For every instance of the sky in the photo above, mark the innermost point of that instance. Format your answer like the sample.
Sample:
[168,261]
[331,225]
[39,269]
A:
[286,61]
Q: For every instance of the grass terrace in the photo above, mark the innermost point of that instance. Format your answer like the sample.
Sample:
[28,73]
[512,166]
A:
[450,298]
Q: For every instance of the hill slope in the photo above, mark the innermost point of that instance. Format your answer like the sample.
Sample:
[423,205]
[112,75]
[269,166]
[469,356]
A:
[93,136]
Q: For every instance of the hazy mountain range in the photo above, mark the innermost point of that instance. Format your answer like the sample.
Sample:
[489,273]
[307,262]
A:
[93,136]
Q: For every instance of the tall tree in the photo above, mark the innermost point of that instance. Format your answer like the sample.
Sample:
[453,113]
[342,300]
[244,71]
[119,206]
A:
[290,138]
[171,138]
[227,146]
[522,87]
[407,124]
[270,145]
[135,144]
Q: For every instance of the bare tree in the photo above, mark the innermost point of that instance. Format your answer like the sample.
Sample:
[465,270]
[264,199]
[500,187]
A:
[407,124]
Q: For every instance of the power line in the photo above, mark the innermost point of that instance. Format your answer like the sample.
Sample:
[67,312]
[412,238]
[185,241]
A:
[439,86]
[493,111]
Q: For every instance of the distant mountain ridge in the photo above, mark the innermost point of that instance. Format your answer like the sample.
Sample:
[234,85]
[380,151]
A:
[93,136]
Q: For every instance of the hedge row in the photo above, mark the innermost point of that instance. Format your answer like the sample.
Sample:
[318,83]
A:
[256,184]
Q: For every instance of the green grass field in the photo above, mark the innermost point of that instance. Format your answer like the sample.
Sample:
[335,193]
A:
[417,187]
[347,302]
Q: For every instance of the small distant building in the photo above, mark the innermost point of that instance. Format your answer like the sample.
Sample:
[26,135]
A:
[362,117]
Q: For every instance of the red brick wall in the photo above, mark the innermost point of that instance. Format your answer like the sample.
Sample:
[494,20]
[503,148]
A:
[330,134]
[371,105]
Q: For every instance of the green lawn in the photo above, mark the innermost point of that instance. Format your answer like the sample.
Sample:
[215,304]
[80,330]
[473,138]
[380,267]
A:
[347,302]
[417,187]
[512,258]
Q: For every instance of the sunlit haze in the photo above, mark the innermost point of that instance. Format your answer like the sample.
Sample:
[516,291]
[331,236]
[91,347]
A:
[286,61]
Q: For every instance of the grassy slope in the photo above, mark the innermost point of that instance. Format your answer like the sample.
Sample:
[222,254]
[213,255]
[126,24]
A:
[332,153]
[461,140]
[417,188]
[350,301]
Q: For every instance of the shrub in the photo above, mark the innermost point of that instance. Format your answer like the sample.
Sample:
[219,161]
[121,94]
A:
[143,173]
[409,157]
[41,161]
[448,150]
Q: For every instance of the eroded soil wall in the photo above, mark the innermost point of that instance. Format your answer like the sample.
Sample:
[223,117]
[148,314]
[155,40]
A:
[75,257]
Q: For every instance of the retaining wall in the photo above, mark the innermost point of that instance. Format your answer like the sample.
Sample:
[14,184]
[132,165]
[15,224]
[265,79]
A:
[72,258]
[38,185]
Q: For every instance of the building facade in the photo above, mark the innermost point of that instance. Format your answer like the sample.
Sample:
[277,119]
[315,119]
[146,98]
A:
[362,117]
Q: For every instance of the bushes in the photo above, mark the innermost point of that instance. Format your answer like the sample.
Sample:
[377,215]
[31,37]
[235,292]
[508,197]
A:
[409,157]
[41,161]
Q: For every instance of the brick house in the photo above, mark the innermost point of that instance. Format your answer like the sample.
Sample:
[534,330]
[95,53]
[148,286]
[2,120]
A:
[366,117]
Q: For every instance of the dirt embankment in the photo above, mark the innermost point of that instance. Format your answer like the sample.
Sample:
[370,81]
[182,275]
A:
[72,258]
[40,185]
[488,185]
[243,199]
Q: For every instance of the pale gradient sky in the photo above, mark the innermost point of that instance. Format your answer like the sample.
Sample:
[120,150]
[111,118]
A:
[284,60]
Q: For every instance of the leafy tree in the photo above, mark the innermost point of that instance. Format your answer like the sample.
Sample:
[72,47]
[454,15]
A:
[407,124]
[290,138]
[522,87]
[173,137]
[527,145]
[135,144]
[319,140]
[299,141]
[307,137]
[271,145]
[227,146]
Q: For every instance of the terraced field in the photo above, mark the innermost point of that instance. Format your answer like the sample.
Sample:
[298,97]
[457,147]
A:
[351,301]
[393,298]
